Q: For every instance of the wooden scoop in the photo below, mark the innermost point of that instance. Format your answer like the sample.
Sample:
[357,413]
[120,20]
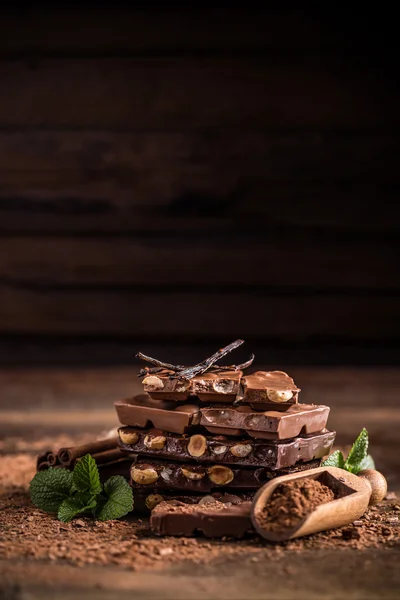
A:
[353,495]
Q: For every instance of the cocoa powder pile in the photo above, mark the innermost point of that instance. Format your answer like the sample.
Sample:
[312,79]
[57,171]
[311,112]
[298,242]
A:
[292,501]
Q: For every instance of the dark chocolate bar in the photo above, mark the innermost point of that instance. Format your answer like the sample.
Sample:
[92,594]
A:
[143,411]
[214,520]
[221,386]
[269,390]
[165,475]
[273,454]
[146,500]
[296,420]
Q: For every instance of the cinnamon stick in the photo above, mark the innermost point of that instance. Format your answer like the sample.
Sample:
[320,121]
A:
[68,456]
[47,459]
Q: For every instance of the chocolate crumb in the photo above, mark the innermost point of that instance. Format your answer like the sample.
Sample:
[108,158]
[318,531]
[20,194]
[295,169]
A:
[351,533]
[292,501]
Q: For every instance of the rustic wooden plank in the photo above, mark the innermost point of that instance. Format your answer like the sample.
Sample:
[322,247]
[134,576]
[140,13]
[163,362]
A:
[165,314]
[50,350]
[48,203]
[275,155]
[207,260]
[132,93]
[104,31]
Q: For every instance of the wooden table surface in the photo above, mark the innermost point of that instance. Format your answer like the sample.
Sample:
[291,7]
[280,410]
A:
[40,404]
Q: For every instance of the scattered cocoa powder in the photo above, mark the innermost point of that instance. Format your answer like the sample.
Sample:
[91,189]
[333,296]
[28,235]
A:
[292,501]
[28,533]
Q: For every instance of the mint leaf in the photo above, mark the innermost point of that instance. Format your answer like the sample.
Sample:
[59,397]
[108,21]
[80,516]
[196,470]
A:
[366,463]
[75,505]
[358,452]
[86,475]
[48,489]
[119,501]
[336,459]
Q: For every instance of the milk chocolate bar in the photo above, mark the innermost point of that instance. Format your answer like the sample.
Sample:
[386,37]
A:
[272,390]
[273,454]
[214,520]
[221,386]
[165,475]
[296,420]
[146,500]
[143,411]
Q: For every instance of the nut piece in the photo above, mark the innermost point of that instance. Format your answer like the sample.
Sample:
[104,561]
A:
[155,443]
[194,476]
[197,445]
[144,476]
[151,381]
[225,386]
[279,395]
[241,450]
[378,484]
[220,475]
[219,449]
[167,474]
[128,437]
[152,501]
[207,500]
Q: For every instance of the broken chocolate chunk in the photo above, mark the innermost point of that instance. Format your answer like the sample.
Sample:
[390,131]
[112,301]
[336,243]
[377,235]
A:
[166,475]
[274,454]
[216,519]
[221,386]
[298,419]
[265,390]
[143,411]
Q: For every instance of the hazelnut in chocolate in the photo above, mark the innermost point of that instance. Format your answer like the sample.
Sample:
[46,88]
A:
[265,389]
[158,474]
[219,386]
[247,452]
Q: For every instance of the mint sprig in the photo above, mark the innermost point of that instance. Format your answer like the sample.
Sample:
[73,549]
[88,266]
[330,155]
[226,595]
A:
[358,458]
[50,488]
[86,475]
[70,494]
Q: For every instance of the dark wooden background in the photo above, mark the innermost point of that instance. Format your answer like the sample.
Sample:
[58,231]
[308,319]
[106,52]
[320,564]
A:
[172,180]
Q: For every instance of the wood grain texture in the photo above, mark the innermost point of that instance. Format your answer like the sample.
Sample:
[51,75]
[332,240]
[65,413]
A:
[170,93]
[162,172]
[45,204]
[210,259]
[272,155]
[247,314]
[78,31]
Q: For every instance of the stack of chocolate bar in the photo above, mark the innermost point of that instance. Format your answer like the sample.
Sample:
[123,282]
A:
[194,433]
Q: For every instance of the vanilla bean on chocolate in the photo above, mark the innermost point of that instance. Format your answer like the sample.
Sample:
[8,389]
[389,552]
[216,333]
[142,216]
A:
[297,419]
[167,366]
[166,475]
[214,520]
[273,454]
[186,373]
